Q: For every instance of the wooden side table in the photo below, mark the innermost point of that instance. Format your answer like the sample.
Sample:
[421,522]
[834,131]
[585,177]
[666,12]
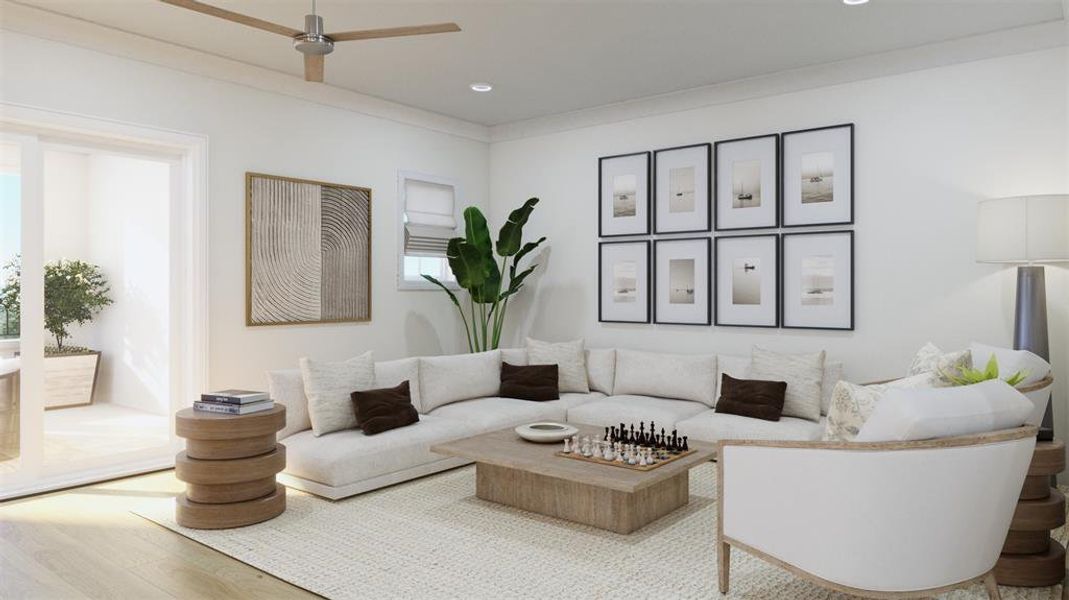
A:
[229,467]
[1030,558]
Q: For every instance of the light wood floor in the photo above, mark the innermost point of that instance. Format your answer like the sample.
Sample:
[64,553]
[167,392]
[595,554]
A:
[85,543]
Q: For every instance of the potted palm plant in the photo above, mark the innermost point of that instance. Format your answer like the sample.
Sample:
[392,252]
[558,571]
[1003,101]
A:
[481,273]
[75,292]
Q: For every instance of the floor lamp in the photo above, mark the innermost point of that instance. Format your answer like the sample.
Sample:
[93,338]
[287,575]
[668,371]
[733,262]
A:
[1027,231]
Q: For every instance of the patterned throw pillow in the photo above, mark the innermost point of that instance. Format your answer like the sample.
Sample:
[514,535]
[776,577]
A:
[852,404]
[930,359]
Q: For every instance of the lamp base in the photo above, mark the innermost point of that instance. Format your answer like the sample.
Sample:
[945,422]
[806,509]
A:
[1030,328]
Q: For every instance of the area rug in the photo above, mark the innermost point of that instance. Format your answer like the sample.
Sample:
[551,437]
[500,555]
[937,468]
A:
[432,538]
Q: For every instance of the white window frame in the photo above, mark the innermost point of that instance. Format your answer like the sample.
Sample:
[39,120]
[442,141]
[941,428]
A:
[402,201]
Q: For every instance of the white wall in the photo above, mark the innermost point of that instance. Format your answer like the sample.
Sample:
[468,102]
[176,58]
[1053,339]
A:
[929,145]
[253,130]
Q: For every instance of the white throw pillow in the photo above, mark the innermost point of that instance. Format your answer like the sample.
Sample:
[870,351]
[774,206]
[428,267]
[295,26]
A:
[921,414]
[804,374]
[1011,361]
[852,404]
[286,387]
[392,373]
[733,366]
[452,378]
[681,376]
[329,385]
[601,369]
[569,358]
[833,373]
[930,359]
[516,357]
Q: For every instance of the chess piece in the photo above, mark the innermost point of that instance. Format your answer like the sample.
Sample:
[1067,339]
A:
[607,434]
[567,446]
[685,446]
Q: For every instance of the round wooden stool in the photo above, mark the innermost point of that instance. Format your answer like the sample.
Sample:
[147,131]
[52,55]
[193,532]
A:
[1030,558]
[229,467]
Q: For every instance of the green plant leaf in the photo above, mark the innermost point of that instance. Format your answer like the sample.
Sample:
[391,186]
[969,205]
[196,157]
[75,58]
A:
[476,231]
[527,249]
[516,283]
[511,235]
[991,370]
[448,291]
[466,263]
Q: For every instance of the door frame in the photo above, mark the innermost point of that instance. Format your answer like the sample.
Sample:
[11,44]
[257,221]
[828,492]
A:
[189,347]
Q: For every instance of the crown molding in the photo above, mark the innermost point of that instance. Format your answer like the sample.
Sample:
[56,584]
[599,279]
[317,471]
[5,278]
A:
[48,25]
[1006,42]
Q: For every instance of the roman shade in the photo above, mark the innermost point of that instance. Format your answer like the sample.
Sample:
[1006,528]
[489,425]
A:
[429,217]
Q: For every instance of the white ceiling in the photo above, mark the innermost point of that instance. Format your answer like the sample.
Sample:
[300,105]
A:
[552,57]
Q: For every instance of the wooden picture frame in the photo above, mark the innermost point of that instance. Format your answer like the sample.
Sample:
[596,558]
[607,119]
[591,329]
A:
[286,253]
[678,210]
[809,155]
[695,274]
[768,300]
[757,160]
[638,252]
[624,195]
[823,301]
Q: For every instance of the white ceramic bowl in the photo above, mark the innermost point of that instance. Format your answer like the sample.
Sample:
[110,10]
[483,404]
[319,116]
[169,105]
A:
[546,432]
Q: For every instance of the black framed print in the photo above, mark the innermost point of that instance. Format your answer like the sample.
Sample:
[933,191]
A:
[818,176]
[682,286]
[624,194]
[747,182]
[624,282]
[818,280]
[747,280]
[681,182]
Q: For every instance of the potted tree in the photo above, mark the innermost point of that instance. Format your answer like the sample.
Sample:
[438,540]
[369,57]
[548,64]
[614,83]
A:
[75,292]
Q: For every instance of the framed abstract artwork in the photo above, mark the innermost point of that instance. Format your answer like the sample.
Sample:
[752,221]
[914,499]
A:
[624,194]
[818,280]
[747,280]
[681,182]
[308,251]
[682,286]
[818,176]
[747,182]
[624,282]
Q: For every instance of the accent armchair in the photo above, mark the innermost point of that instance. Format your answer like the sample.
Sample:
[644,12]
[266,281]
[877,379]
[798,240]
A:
[878,519]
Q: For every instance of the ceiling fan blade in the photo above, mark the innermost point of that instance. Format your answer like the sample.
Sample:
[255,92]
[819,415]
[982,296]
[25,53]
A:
[370,34]
[222,13]
[313,67]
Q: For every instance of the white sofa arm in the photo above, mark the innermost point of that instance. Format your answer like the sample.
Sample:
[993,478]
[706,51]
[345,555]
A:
[889,516]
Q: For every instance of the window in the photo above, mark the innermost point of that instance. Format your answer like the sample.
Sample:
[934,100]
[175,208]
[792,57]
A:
[10,233]
[428,219]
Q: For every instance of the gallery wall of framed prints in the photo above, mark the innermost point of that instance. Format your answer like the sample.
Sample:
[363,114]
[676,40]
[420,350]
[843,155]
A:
[749,271]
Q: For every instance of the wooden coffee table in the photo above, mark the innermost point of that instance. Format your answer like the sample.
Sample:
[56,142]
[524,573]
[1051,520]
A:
[511,471]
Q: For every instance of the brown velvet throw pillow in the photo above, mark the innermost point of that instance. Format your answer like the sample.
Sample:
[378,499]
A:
[751,398]
[384,409]
[534,382]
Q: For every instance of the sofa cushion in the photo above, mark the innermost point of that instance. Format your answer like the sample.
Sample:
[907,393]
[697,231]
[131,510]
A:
[452,378]
[754,398]
[569,358]
[384,409]
[390,373]
[739,368]
[286,387]
[1010,361]
[514,356]
[679,376]
[629,409]
[536,383]
[920,414]
[852,404]
[713,427]
[601,369]
[488,414]
[930,359]
[345,457]
[804,374]
[328,385]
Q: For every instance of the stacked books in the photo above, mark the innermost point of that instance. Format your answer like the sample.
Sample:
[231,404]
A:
[233,402]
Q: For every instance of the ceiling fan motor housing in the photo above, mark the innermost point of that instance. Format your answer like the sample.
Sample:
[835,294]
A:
[313,40]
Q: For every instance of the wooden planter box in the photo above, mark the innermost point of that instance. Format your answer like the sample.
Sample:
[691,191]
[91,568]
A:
[70,379]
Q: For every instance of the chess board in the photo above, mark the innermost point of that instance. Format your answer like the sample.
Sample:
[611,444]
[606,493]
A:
[623,465]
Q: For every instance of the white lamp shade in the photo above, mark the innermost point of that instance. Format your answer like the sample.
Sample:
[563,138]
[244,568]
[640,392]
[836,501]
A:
[1026,229]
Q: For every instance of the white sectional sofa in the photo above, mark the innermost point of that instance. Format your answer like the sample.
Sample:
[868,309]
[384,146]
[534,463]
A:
[678,392]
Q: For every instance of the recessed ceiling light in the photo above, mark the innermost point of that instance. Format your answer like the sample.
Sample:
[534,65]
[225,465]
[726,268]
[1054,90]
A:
[855,2]
[481,87]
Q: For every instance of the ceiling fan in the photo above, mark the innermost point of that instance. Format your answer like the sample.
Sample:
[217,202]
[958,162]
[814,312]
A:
[312,42]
